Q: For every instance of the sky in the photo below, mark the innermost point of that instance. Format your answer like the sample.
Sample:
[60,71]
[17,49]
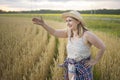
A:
[24,5]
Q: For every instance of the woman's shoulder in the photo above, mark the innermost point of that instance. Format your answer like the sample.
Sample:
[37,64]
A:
[88,33]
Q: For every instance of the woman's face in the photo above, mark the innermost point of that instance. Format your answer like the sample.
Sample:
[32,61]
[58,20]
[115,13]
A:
[72,23]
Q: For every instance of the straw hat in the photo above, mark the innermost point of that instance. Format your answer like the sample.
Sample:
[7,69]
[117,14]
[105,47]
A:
[74,14]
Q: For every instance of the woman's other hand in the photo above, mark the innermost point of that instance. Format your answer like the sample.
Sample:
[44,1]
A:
[91,62]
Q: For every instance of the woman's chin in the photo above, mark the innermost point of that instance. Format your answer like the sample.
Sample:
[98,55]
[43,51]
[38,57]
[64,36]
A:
[70,28]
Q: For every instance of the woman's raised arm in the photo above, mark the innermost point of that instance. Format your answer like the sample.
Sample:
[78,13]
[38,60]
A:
[62,33]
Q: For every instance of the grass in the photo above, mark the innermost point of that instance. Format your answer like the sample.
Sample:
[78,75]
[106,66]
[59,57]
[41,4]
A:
[27,52]
[111,27]
[93,21]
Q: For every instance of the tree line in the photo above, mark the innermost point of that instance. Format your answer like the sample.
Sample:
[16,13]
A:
[99,11]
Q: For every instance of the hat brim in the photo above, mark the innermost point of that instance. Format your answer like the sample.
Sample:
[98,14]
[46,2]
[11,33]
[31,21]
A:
[67,14]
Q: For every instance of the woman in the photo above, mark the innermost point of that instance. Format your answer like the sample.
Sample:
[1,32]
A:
[78,63]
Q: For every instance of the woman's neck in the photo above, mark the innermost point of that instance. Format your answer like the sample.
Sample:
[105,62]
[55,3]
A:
[75,33]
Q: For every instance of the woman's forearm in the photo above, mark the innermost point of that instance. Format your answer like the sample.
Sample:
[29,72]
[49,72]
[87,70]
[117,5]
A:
[99,54]
[49,29]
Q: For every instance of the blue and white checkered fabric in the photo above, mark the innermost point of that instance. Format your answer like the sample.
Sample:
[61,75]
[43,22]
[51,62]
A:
[81,71]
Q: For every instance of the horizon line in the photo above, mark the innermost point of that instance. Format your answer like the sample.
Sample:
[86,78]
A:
[56,10]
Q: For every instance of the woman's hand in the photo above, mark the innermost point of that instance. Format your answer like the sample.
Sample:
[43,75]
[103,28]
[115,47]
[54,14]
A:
[38,21]
[91,62]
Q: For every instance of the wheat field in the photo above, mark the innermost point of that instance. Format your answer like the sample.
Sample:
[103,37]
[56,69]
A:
[28,52]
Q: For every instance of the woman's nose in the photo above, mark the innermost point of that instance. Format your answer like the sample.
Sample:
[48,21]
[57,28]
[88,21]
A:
[67,23]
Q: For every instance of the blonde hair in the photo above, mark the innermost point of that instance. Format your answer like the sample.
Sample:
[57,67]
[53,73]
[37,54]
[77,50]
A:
[81,29]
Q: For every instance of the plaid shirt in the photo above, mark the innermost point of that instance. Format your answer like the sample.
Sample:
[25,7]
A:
[81,71]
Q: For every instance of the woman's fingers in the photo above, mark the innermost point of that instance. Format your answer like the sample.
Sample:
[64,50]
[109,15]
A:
[91,62]
[87,64]
[34,19]
[38,20]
